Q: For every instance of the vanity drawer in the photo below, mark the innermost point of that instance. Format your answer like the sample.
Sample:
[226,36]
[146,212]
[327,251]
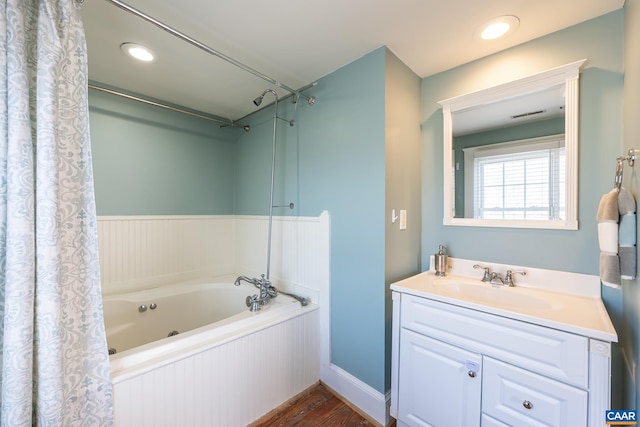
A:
[521,398]
[557,354]
[487,421]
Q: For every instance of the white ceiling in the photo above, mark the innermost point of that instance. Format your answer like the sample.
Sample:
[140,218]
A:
[296,42]
[545,104]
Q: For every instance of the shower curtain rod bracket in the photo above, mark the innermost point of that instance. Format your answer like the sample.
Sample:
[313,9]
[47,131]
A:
[310,99]
[292,123]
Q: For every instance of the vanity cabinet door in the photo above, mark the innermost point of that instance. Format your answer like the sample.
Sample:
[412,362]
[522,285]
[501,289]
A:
[439,384]
[521,398]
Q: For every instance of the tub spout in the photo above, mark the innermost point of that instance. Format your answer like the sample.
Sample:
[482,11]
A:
[246,279]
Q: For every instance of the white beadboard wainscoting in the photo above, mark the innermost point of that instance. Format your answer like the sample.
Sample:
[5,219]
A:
[299,252]
[247,376]
[228,384]
[138,252]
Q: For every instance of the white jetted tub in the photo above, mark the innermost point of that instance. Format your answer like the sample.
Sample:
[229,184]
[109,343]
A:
[189,353]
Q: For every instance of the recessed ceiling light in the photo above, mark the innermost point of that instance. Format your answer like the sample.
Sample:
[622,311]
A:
[137,51]
[497,27]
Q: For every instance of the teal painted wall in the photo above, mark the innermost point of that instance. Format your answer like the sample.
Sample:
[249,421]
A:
[402,182]
[630,325]
[342,169]
[600,41]
[150,161]
[333,159]
[254,156]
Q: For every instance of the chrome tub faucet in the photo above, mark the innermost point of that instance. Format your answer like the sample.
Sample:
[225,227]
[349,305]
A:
[267,291]
[246,279]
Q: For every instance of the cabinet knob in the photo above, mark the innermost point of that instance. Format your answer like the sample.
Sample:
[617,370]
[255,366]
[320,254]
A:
[527,404]
[472,374]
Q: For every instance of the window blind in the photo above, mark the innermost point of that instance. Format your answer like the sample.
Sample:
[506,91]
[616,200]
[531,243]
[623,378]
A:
[522,180]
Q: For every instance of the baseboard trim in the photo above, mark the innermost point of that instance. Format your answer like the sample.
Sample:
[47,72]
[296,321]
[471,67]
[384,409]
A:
[368,400]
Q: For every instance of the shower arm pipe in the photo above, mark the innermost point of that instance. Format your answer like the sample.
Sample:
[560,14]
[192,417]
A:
[167,107]
[273,170]
[203,47]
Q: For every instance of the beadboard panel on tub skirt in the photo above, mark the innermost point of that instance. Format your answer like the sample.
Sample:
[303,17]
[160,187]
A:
[231,384]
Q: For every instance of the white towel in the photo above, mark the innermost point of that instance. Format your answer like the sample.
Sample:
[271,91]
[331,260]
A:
[608,237]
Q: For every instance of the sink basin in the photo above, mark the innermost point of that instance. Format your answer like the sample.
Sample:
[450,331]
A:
[484,293]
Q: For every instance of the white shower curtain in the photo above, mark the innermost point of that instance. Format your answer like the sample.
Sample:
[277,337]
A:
[53,353]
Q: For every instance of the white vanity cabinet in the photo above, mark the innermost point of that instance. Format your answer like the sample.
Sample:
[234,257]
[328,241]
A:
[435,372]
[457,366]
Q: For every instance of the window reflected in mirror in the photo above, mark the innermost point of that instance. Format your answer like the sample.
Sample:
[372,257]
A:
[512,151]
[512,180]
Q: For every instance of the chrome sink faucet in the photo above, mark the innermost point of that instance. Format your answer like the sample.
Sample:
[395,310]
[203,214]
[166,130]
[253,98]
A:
[487,272]
[508,279]
[496,279]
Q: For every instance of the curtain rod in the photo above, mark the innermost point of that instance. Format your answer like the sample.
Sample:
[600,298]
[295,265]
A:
[168,107]
[202,46]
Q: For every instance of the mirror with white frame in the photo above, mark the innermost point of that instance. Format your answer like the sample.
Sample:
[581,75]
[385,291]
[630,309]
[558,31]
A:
[511,153]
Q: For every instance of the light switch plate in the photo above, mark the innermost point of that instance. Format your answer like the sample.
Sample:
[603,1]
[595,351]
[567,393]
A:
[403,219]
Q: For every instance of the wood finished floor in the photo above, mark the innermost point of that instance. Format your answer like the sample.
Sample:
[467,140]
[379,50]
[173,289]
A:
[315,407]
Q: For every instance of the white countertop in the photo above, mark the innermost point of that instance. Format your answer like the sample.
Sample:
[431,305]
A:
[574,312]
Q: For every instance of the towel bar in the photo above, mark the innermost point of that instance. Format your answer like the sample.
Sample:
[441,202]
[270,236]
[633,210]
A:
[631,159]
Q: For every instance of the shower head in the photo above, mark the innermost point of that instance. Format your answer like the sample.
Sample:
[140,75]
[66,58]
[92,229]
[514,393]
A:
[259,99]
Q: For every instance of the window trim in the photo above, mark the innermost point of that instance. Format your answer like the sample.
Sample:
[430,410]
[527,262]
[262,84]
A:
[501,148]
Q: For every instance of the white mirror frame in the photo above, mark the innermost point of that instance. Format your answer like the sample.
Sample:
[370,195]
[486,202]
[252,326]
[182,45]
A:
[567,74]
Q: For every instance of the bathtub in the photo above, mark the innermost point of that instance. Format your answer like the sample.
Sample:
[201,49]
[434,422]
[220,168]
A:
[200,357]
[142,317]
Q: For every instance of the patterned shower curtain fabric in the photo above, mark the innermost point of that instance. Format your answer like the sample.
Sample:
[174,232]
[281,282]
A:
[53,353]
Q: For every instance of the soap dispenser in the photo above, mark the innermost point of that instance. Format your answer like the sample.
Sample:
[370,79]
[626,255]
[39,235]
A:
[441,262]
